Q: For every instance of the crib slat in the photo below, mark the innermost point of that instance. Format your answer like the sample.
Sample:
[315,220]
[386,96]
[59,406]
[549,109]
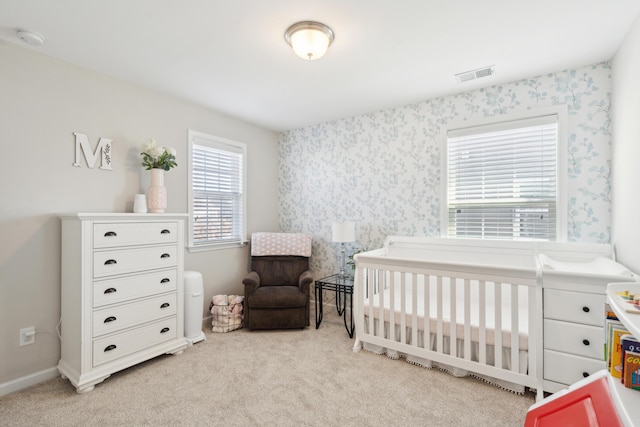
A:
[414,309]
[381,287]
[453,317]
[497,327]
[515,330]
[535,333]
[482,322]
[467,319]
[426,282]
[403,308]
[392,305]
[439,338]
[370,287]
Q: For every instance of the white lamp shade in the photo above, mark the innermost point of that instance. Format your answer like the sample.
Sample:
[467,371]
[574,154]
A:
[343,231]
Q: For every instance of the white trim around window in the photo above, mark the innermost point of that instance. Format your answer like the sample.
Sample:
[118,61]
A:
[451,194]
[217,192]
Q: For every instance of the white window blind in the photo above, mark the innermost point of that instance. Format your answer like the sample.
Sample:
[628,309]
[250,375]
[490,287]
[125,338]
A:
[217,199]
[502,180]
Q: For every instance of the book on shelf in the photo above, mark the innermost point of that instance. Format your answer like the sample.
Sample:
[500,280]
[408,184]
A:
[615,350]
[628,343]
[610,318]
[609,326]
[631,377]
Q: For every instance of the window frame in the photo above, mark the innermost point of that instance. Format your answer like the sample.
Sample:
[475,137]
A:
[203,139]
[561,164]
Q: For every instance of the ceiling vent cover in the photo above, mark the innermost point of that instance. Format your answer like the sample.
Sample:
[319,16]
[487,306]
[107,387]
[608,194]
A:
[476,74]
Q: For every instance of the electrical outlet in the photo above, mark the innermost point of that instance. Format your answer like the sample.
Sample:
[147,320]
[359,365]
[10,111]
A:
[27,336]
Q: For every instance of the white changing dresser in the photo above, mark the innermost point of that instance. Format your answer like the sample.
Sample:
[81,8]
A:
[122,296]
[574,319]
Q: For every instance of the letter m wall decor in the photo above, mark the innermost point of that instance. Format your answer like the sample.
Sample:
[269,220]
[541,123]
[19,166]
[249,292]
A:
[104,147]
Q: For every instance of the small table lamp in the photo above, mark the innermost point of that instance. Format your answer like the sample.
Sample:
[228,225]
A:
[343,232]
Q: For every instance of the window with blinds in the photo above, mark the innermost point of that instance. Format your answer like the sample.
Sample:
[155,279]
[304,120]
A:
[217,195]
[502,180]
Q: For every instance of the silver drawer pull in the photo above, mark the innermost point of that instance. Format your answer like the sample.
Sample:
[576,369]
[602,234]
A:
[165,231]
[165,256]
[586,309]
[165,280]
[110,319]
[165,305]
[110,290]
[164,330]
[110,234]
[585,342]
[110,261]
[110,347]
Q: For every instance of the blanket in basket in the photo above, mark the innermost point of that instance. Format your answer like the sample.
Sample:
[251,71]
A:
[226,312]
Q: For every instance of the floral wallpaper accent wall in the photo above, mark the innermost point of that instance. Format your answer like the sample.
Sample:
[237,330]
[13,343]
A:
[382,169]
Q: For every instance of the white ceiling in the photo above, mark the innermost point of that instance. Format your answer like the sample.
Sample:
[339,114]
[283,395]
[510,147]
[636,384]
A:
[230,55]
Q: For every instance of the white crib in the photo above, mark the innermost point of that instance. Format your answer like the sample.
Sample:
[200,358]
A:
[465,306]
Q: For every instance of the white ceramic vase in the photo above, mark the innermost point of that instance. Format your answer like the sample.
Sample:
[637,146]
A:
[157,193]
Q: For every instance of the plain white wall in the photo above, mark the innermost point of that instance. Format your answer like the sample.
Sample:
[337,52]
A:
[42,103]
[625,165]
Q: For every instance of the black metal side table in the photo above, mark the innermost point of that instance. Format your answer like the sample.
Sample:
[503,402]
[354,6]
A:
[343,287]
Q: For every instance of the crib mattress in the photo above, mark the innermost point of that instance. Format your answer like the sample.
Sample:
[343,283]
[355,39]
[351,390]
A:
[430,300]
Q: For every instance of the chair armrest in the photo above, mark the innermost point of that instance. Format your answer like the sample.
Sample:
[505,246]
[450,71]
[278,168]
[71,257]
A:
[304,281]
[251,283]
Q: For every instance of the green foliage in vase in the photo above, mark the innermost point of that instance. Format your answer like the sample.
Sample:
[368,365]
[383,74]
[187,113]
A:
[351,263]
[154,157]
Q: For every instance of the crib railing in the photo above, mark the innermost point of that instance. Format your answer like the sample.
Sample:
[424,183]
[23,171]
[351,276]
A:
[393,324]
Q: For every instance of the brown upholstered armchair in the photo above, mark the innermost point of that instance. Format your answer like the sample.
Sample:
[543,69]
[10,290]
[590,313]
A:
[277,289]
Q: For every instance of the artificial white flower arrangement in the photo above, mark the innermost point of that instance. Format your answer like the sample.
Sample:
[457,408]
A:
[154,157]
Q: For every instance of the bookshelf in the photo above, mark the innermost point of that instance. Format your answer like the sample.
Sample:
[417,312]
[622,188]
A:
[627,401]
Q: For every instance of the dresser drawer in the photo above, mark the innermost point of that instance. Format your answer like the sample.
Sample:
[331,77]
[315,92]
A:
[112,347]
[567,369]
[109,263]
[113,291]
[134,233]
[575,307]
[112,319]
[581,340]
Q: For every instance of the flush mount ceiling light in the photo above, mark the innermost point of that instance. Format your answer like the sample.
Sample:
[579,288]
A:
[309,40]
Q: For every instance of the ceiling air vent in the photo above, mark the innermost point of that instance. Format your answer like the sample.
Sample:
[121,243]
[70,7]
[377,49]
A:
[476,74]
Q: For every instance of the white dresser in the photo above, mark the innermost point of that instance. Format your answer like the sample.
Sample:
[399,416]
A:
[573,327]
[122,296]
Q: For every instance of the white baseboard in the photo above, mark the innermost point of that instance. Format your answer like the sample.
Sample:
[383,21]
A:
[28,381]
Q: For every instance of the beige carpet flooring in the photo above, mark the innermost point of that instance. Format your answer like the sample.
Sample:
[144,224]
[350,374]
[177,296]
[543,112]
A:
[275,378]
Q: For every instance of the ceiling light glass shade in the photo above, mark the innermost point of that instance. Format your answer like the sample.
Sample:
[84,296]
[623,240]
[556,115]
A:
[309,40]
